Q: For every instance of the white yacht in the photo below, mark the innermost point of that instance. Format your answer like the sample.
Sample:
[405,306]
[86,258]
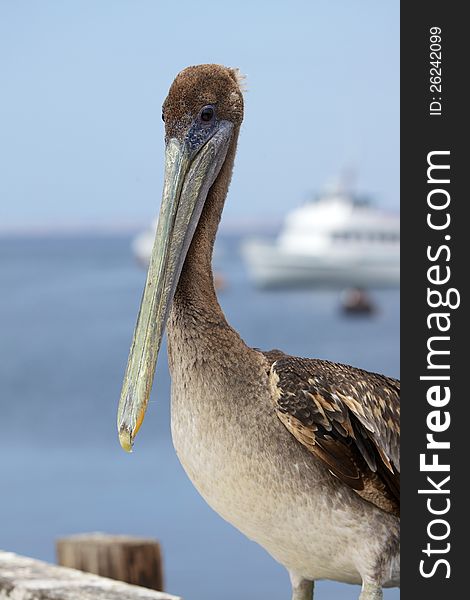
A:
[142,244]
[337,240]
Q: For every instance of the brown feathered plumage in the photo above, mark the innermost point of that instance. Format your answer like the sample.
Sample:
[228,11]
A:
[347,417]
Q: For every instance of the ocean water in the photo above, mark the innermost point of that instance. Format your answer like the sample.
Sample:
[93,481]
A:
[67,312]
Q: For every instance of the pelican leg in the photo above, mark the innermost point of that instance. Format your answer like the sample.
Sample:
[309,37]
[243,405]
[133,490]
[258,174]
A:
[371,591]
[302,589]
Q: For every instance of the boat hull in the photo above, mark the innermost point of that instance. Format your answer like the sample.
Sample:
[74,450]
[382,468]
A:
[270,266]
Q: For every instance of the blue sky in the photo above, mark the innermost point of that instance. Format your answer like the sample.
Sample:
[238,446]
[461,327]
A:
[82,82]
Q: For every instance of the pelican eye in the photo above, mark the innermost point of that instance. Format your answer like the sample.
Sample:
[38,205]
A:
[202,128]
[207,114]
[163,116]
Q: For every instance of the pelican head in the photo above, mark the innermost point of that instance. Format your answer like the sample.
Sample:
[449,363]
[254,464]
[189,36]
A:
[202,114]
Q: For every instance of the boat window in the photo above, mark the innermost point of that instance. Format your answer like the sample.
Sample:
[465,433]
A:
[391,236]
[370,236]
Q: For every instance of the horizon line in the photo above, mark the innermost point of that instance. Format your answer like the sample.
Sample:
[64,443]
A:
[130,227]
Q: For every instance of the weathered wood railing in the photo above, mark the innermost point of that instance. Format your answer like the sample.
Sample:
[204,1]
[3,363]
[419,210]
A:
[23,578]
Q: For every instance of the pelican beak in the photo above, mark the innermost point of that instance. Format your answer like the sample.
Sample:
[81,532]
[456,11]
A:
[189,174]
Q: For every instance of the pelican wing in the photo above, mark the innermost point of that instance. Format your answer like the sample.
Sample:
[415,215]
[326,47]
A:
[347,417]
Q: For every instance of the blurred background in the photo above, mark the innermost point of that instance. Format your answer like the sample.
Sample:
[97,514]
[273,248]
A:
[81,165]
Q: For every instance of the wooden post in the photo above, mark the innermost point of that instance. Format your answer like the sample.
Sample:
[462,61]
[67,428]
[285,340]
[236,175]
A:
[130,559]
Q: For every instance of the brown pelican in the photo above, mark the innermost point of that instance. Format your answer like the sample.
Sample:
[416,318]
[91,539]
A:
[301,455]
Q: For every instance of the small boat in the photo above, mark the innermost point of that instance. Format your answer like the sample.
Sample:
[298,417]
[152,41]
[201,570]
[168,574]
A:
[338,240]
[356,301]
